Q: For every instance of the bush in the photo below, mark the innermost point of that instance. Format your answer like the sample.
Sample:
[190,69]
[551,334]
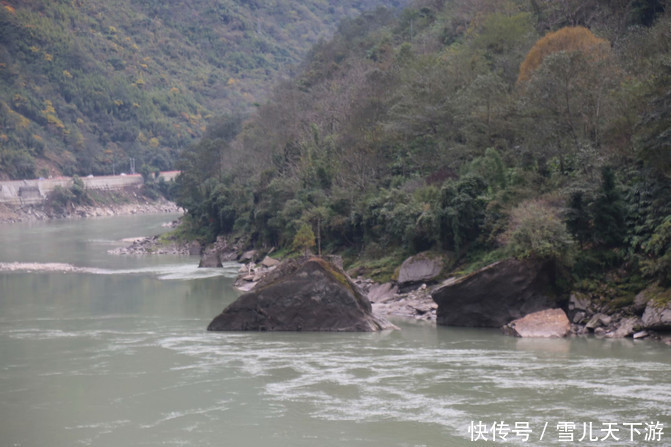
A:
[304,239]
[536,231]
[60,198]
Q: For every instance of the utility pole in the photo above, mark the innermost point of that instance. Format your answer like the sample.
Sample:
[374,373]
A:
[132,165]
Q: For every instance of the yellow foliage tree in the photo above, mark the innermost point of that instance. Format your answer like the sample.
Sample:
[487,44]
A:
[570,38]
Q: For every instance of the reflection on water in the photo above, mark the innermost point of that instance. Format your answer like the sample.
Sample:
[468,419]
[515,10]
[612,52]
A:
[123,358]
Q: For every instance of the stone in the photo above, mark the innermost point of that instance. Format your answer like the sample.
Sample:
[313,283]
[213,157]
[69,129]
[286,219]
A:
[600,332]
[380,293]
[578,317]
[495,295]
[641,301]
[598,320]
[302,295]
[579,301]
[625,328]
[548,323]
[195,248]
[641,334]
[657,315]
[210,258]
[269,262]
[216,253]
[420,268]
[248,256]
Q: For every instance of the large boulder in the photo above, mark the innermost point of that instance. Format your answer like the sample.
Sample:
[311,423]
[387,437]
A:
[302,295]
[657,314]
[548,323]
[495,295]
[419,269]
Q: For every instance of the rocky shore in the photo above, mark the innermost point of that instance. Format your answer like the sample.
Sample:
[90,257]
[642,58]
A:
[134,204]
[510,295]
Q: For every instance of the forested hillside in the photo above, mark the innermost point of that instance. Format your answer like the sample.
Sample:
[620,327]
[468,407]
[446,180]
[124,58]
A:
[87,84]
[482,129]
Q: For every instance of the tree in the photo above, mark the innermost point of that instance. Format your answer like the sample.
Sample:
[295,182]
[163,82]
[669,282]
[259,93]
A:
[577,217]
[567,39]
[317,216]
[653,137]
[461,211]
[608,212]
[658,249]
[304,239]
[567,101]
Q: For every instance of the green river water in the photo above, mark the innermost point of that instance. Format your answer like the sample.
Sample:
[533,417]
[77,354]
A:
[117,355]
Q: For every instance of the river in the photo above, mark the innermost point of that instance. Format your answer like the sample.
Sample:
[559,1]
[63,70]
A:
[116,354]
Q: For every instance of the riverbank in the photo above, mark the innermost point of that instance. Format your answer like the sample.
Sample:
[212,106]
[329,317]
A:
[106,204]
[396,300]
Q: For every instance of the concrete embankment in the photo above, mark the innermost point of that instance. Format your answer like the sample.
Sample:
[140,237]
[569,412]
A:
[25,200]
[30,192]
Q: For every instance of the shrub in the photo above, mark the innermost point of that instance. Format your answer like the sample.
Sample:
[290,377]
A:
[658,250]
[60,198]
[304,239]
[536,231]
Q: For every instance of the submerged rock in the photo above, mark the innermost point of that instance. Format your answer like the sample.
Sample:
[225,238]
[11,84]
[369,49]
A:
[496,294]
[548,323]
[302,295]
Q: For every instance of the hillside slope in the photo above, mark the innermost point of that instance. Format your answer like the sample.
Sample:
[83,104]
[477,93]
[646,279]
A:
[479,130]
[85,85]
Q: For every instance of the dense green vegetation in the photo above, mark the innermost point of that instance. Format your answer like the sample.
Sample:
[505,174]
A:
[86,85]
[489,128]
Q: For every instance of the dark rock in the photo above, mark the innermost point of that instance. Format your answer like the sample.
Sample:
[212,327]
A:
[301,295]
[578,317]
[210,258]
[600,332]
[641,301]
[598,320]
[625,328]
[248,256]
[195,248]
[496,294]
[215,254]
[657,316]
[579,301]
[419,269]
[548,323]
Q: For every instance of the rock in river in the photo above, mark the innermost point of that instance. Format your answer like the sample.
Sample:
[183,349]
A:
[548,323]
[496,294]
[302,295]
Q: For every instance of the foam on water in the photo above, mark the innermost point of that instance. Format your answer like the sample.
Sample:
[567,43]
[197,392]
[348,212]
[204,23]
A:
[163,272]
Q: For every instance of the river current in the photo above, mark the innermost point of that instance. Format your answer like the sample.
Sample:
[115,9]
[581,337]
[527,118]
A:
[114,352]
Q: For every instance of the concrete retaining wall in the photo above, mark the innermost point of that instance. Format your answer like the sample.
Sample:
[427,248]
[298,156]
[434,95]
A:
[27,192]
